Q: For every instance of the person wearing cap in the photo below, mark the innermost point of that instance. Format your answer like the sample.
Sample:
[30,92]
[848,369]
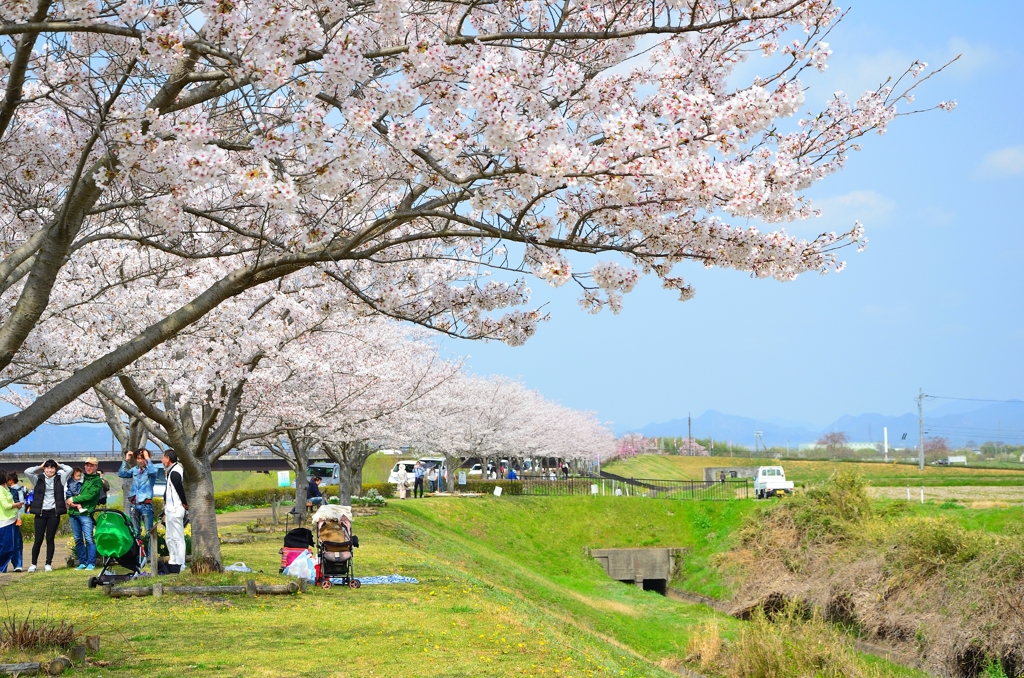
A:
[80,506]
[143,476]
[48,505]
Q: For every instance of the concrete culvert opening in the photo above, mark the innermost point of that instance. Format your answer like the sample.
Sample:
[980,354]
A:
[649,569]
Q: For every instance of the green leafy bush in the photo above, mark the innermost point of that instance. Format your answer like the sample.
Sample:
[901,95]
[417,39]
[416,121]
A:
[833,510]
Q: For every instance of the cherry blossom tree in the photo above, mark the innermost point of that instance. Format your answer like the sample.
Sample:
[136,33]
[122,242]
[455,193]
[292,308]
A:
[403,151]
[632,444]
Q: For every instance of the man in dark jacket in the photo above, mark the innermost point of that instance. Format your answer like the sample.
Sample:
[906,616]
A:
[313,495]
[80,507]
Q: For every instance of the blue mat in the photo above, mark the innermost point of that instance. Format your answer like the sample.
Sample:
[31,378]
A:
[384,579]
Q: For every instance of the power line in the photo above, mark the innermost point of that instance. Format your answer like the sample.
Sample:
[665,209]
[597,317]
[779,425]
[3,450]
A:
[977,400]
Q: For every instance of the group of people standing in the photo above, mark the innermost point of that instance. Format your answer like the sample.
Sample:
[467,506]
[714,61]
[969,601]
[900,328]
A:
[59,489]
[419,475]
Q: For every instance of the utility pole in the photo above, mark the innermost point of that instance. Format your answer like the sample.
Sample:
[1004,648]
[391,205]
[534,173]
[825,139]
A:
[885,442]
[920,428]
[689,435]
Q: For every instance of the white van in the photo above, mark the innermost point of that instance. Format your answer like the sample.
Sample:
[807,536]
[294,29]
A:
[410,467]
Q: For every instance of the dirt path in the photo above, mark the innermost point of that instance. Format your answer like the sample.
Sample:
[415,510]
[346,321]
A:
[972,496]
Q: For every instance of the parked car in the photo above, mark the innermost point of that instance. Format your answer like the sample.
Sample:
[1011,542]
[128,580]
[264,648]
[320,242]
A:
[770,481]
[410,466]
[159,485]
[475,470]
[330,472]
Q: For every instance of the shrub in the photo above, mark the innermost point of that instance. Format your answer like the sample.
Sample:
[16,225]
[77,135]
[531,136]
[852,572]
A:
[385,490]
[831,511]
[35,632]
[252,497]
[508,487]
[788,645]
[924,545]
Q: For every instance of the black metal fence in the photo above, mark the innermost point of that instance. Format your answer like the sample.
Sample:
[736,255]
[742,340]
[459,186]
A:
[632,487]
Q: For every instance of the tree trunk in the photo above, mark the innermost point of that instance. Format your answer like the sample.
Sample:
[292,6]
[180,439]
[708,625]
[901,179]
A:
[202,516]
[300,493]
[357,481]
[345,483]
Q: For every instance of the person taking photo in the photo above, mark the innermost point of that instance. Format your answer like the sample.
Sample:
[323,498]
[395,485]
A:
[137,466]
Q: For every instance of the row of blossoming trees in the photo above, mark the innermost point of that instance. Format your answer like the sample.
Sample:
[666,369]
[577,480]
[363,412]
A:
[191,189]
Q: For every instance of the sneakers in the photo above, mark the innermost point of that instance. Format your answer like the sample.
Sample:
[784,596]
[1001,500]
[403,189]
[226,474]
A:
[31,568]
[81,567]
[17,569]
[90,567]
[47,568]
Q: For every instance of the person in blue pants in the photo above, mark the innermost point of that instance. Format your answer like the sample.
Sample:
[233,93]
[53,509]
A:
[142,471]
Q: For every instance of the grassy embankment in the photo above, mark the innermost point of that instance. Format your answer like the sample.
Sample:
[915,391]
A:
[809,472]
[505,590]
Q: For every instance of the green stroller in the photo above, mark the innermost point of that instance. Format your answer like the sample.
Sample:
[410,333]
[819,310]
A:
[117,542]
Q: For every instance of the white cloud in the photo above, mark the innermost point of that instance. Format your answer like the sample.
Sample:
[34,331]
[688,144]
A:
[1004,162]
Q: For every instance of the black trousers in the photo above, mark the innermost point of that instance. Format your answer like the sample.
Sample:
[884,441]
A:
[46,527]
[417,488]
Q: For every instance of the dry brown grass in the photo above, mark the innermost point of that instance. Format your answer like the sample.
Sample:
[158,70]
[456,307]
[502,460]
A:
[705,645]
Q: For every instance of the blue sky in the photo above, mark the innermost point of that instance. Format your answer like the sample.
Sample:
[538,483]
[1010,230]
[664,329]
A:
[934,302]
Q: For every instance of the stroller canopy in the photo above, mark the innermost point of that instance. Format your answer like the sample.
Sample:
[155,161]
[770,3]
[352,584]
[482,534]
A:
[114,535]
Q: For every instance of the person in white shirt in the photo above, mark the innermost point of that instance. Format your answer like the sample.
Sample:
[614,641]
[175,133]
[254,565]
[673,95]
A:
[175,506]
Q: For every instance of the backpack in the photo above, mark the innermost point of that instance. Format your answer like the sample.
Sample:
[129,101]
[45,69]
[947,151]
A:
[299,538]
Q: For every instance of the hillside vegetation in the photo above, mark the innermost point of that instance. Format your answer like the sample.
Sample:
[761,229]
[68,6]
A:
[811,472]
[505,589]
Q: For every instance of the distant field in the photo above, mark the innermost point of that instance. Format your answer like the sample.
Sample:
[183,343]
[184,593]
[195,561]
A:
[801,472]
[224,481]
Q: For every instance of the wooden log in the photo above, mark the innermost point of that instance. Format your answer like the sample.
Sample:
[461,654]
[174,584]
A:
[131,591]
[237,540]
[107,588]
[205,590]
[158,590]
[302,585]
[57,666]
[77,654]
[23,669]
[250,588]
[277,589]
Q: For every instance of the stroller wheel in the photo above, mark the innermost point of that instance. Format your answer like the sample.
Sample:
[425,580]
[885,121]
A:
[355,583]
[326,584]
[92,582]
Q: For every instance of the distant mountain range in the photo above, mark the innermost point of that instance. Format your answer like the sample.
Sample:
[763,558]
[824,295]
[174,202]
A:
[959,422]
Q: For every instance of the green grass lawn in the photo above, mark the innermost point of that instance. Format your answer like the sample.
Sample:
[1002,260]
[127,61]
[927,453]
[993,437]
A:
[505,589]
[805,472]
[224,481]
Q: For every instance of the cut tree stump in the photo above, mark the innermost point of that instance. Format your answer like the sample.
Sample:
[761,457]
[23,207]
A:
[57,666]
[77,654]
[92,644]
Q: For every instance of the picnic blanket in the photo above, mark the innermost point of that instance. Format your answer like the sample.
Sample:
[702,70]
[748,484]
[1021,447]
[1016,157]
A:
[383,579]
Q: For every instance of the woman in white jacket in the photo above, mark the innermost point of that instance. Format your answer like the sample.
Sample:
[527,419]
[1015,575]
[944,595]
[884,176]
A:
[403,481]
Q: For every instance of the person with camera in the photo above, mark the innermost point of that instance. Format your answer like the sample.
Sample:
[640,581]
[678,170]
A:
[175,506]
[137,466]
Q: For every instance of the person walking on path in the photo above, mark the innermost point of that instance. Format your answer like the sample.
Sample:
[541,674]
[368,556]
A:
[19,493]
[313,495]
[432,478]
[48,505]
[417,488]
[143,475]
[84,495]
[175,506]
[8,516]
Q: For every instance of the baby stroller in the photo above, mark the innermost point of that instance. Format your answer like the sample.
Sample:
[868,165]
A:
[116,542]
[334,544]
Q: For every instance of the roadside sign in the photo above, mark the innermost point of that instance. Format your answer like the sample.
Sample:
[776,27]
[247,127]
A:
[284,479]
[462,477]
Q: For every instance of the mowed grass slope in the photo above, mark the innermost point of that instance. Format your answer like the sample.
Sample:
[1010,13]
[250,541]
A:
[808,472]
[505,589]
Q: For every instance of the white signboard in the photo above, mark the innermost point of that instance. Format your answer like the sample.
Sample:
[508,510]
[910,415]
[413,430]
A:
[284,479]
[462,477]
[497,491]
[958,460]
